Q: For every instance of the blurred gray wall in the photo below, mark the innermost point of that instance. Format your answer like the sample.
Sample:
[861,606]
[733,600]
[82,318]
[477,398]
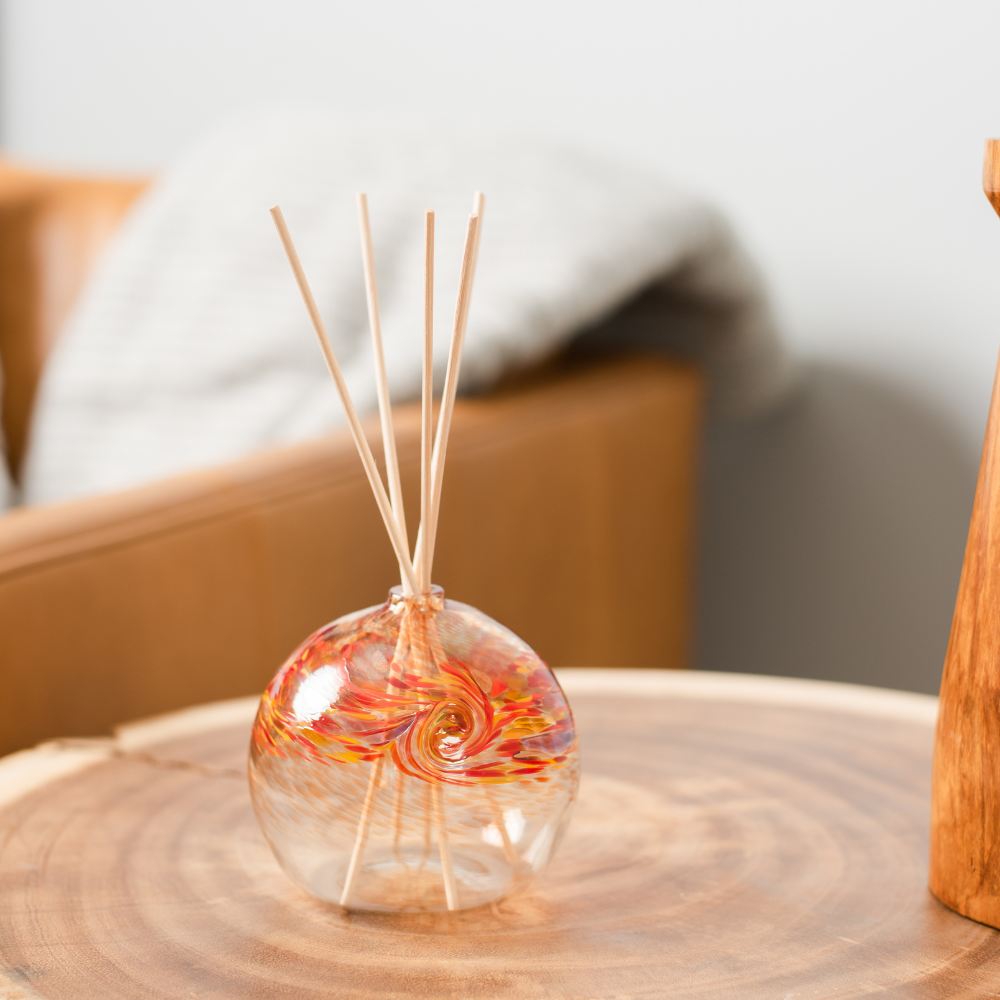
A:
[832,536]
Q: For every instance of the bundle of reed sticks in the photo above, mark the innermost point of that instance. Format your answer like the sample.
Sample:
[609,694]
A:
[415,570]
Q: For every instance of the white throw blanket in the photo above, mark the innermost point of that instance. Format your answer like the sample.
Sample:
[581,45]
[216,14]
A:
[190,345]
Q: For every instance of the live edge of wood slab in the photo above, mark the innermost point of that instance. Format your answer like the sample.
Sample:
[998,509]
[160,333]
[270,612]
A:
[735,837]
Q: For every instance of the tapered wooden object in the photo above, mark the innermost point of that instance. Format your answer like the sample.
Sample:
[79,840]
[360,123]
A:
[965,801]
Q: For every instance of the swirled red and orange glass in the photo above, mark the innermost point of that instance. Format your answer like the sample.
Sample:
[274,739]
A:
[416,755]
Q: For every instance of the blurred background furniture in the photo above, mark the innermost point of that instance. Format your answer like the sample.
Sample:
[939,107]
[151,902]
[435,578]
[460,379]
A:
[832,534]
[52,228]
[568,515]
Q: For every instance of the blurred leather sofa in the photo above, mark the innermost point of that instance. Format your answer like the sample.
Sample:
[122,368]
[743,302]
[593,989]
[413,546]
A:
[567,514]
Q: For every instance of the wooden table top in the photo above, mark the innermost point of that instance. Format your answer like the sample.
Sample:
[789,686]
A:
[735,837]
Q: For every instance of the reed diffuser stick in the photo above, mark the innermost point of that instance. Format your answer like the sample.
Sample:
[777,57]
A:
[397,814]
[367,459]
[501,824]
[381,381]
[375,778]
[450,390]
[359,841]
[444,847]
[432,472]
[451,379]
[478,207]
[426,409]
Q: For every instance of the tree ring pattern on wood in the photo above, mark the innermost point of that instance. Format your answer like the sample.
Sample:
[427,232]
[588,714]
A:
[719,849]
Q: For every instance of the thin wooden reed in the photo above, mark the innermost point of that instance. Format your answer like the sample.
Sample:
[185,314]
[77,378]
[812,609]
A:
[444,848]
[363,826]
[501,824]
[367,459]
[381,381]
[432,472]
[478,207]
[450,389]
[422,557]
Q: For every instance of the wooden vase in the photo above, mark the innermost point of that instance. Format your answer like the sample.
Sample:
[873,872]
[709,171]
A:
[965,799]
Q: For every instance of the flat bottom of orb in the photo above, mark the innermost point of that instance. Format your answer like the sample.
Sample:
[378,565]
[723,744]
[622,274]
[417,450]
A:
[412,881]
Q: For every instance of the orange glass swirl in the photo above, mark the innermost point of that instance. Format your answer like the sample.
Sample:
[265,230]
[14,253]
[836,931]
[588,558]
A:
[416,755]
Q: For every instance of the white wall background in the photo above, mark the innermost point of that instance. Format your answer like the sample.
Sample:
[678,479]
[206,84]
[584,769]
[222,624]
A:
[843,139]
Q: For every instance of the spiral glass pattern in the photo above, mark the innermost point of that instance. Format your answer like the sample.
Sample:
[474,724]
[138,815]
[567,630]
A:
[413,756]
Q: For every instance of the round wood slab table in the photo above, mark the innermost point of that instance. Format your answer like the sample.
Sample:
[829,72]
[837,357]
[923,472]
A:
[735,836]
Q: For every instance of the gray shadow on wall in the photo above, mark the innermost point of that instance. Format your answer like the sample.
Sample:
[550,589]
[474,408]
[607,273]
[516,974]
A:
[832,536]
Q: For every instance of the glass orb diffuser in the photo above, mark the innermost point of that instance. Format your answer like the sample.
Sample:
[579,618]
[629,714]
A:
[417,755]
[413,756]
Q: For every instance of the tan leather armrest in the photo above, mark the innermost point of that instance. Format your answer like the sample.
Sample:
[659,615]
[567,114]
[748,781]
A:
[566,515]
[52,227]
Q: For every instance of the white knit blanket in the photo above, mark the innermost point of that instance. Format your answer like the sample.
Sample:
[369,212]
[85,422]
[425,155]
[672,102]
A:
[190,345]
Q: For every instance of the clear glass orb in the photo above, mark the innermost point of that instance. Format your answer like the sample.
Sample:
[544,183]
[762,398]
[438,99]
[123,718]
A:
[413,756]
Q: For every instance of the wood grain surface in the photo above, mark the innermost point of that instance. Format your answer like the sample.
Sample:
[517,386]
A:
[965,810]
[735,837]
[991,173]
